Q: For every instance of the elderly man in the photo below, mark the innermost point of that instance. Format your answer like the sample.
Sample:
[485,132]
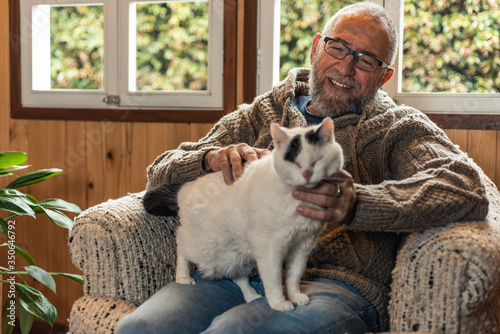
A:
[402,174]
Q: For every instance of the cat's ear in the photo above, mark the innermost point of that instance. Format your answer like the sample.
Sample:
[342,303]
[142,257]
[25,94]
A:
[326,129]
[279,136]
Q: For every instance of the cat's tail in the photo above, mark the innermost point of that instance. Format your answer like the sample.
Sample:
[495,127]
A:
[162,200]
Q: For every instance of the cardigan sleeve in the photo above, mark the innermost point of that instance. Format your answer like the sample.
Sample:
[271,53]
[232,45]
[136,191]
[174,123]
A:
[429,182]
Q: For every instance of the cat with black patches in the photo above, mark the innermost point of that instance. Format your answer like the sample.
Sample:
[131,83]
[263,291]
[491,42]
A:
[228,231]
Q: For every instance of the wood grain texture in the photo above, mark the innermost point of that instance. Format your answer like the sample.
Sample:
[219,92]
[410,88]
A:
[458,137]
[482,147]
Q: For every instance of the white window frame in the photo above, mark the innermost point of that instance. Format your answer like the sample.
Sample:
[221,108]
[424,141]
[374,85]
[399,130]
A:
[431,103]
[35,30]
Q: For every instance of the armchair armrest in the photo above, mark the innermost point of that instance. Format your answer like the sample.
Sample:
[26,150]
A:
[447,280]
[123,252]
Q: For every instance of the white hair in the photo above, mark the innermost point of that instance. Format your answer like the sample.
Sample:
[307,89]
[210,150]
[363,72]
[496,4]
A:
[378,13]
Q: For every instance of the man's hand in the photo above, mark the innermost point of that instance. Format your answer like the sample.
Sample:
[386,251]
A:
[230,160]
[335,196]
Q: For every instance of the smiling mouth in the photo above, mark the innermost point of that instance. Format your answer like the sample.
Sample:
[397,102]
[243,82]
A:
[339,85]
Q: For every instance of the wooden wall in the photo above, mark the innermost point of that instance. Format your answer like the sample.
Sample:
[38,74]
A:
[106,160]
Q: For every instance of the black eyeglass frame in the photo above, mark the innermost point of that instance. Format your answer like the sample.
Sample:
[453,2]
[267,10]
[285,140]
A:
[354,53]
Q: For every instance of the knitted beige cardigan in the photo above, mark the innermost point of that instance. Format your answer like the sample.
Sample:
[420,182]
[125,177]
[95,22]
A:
[408,177]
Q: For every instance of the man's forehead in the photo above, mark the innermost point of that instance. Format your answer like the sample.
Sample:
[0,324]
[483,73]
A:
[361,32]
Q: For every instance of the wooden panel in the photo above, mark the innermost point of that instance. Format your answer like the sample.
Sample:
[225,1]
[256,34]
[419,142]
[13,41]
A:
[176,133]
[137,158]
[163,137]
[115,160]
[94,163]
[458,137]
[482,147]
[199,130]
[74,163]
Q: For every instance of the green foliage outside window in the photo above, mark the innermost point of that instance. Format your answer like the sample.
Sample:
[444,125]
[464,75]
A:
[451,46]
[77,47]
[172,46]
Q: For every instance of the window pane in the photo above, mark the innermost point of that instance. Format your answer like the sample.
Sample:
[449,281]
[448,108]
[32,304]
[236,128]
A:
[300,21]
[172,46]
[451,46]
[77,47]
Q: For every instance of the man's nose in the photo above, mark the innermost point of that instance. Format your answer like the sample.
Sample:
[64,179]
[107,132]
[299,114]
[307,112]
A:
[346,65]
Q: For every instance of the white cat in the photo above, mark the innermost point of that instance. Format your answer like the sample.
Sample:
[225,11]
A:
[229,230]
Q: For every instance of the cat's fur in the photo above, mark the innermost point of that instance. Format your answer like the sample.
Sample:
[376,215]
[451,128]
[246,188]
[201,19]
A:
[229,230]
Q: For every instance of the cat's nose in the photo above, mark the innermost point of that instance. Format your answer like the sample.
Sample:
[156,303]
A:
[307,174]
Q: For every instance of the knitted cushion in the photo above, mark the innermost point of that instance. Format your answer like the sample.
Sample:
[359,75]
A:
[122,251]
[447,280]
[97,315]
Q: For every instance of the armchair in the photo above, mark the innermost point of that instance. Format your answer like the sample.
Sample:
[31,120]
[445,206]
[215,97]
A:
[446,280]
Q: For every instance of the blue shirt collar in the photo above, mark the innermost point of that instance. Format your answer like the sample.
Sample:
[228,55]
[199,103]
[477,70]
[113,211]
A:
[300,102]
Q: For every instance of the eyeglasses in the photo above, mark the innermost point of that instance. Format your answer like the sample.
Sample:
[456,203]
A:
[363,61]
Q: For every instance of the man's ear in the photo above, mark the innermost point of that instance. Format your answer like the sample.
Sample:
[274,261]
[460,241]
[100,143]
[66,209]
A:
[388,74]
[317,40]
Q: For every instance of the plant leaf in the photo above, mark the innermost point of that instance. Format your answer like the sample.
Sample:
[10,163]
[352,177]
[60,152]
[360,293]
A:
[34,177]
[21,252]
[59,218]
[42,276]
[6,174]
[56,203]
[74,277]
[13,168]
[16,205]
[32,203]
[4,227]
[36,303]
[11,158]
[11,192]
[25,319]
[6,327]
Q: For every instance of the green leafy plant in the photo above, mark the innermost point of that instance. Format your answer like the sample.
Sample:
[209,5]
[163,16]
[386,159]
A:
[30,302]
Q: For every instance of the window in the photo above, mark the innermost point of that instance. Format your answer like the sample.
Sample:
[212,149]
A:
[148,58]
[463,32]
[448,56]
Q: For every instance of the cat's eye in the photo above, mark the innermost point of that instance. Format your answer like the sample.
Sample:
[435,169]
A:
[298,165]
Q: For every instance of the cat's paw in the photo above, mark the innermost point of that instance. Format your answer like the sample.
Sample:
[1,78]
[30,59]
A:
[300,299]
[185,280]
[283,306]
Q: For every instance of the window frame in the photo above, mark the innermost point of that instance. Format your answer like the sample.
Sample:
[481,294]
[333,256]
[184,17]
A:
[205,115]
[448,110]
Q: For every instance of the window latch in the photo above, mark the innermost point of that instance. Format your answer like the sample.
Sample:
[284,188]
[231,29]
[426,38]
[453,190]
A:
[111,99]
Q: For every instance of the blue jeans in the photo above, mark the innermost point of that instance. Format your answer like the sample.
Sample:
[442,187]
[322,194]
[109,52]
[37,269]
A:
[219,307]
